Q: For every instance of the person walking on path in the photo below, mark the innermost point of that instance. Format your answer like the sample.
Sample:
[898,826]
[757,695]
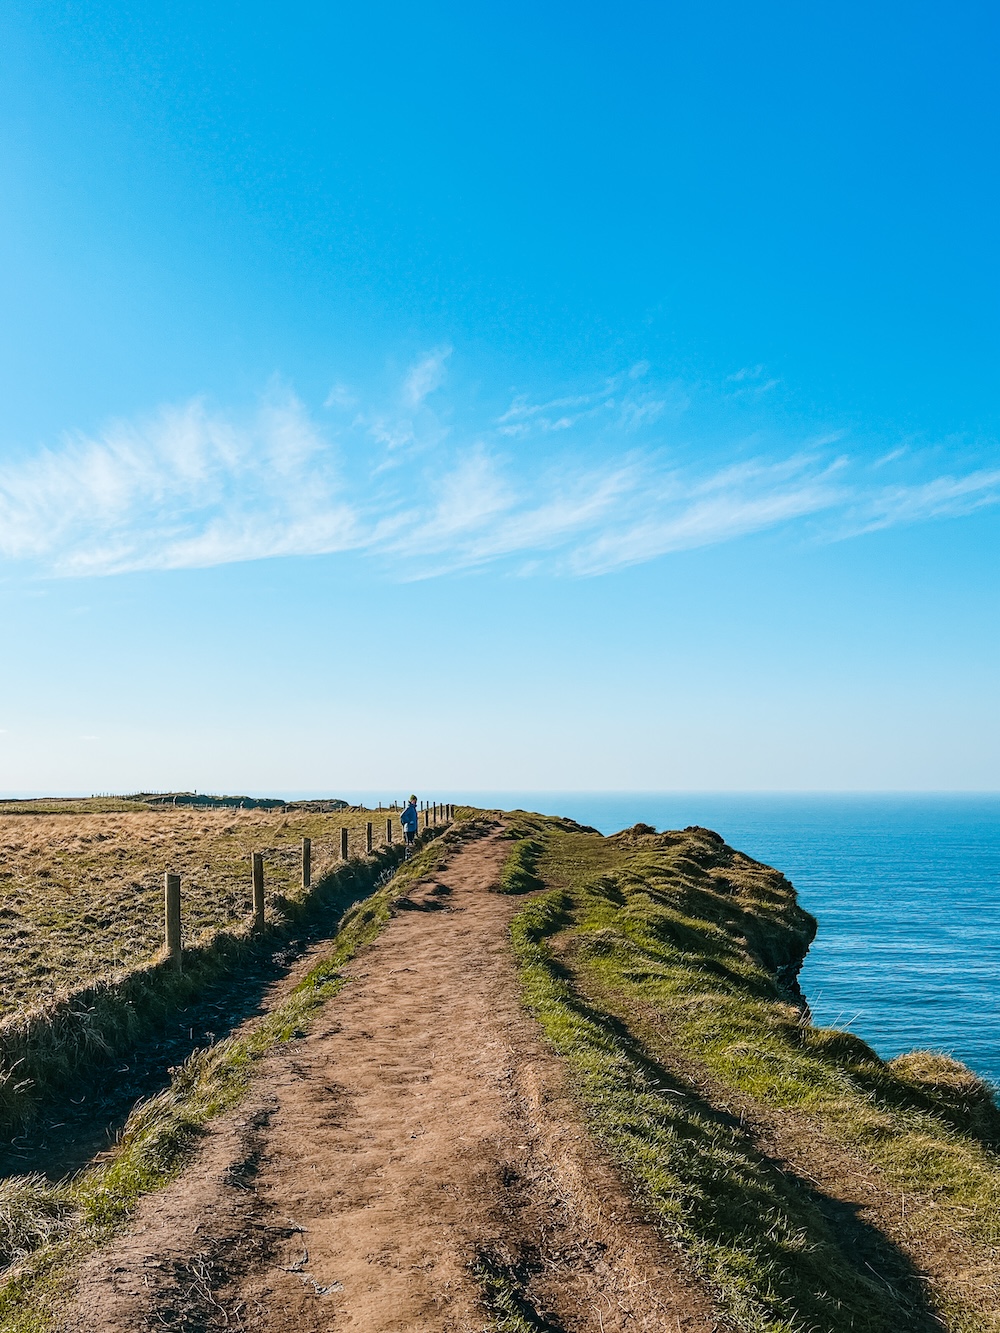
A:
[409,820]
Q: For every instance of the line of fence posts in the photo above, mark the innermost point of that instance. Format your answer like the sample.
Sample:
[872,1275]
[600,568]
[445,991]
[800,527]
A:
[172,883]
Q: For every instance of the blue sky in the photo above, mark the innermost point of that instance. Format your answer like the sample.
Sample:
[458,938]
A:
[529,396]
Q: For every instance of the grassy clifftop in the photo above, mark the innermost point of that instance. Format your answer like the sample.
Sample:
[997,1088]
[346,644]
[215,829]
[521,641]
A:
[815,1186]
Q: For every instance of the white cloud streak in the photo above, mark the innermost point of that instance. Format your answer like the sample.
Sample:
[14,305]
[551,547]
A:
[181,489]
[426,376]
[576,484]
[941,497]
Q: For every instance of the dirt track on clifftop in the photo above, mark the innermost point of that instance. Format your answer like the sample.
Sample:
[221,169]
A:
[418,1136]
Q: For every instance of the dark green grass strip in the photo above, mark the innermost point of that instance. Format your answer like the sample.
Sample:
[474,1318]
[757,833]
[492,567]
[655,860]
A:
[519,874]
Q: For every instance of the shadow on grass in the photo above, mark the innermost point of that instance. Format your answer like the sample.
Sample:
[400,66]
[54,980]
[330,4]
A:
[504,1283]
[778,1246]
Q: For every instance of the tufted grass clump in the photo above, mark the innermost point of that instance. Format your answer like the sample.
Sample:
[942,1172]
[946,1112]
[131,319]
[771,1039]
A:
[519,871]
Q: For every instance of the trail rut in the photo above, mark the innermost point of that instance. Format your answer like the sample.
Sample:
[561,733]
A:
[416,1150]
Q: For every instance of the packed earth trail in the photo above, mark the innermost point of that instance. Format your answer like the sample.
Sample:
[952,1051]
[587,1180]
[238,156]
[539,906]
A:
[411,1163]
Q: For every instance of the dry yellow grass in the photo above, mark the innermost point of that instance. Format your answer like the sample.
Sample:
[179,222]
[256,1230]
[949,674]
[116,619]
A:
[81,894]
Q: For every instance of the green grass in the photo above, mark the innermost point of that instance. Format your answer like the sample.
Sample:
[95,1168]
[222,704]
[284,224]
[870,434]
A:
[56,1224]
[519,871]
[662,966]
[89,805]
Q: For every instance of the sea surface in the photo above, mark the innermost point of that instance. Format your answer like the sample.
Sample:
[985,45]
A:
[906,890]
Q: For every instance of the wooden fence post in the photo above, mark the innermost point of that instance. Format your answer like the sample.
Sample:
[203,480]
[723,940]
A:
[368,839]
[172,918]
[306,862]
[388,831]
[427,817]
[343,844]
[258,890]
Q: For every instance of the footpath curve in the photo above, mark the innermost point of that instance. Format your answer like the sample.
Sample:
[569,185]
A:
[416,1150]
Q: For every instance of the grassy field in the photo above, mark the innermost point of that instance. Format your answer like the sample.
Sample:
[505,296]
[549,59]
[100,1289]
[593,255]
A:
[81,883]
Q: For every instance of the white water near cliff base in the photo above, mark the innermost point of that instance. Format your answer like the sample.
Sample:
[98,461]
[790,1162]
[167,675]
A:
[906,890]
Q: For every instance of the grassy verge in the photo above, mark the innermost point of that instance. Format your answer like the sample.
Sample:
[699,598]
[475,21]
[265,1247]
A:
[519,870]
[50,1226]
[661,967]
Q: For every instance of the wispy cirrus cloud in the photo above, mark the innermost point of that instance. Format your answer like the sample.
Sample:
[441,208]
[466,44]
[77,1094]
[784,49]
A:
[575,484]
[751,382]
[480,515]
[731,503]
[423,378]
[940,497]
[184,487]
[621,400]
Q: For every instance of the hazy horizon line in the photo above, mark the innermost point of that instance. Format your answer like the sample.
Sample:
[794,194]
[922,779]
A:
[435,790]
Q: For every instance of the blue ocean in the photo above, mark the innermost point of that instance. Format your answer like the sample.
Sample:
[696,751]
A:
[906,890]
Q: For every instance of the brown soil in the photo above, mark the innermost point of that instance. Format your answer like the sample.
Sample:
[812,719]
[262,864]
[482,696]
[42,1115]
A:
[421,1134]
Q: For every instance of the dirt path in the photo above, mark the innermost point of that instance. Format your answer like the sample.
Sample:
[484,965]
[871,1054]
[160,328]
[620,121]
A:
[420,1132]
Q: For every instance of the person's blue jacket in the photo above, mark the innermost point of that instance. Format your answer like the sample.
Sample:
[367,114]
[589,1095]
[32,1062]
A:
[409,818]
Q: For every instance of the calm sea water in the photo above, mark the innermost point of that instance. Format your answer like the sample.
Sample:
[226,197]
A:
[906,890]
